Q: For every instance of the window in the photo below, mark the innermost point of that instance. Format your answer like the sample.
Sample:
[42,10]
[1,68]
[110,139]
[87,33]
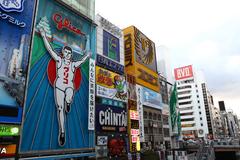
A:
[145,115]
[185,108]
[195,85]
[200,112]
[198,101]
[196,90]
[154,116]
[200,118]
[199,107]
[201,124]
[186,97]
[160,130]
[187,119]
[197,96]
[184,87]
[184,92]
[159,117]
[186,114]
[150,115]
[184,103]
[146,130]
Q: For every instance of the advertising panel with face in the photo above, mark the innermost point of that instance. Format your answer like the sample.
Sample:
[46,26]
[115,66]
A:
[111,85]
[144,50]
[16,19]
[56,110]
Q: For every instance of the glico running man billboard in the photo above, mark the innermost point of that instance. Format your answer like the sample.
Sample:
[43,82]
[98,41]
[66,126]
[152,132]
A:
[56,109]
[16,18]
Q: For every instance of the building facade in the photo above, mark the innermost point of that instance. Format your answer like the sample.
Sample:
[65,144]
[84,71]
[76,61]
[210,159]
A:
[111,91]
[191,93]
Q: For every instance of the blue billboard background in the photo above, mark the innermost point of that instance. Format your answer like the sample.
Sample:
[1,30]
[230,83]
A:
[40,123]
[111,47]
[15,37]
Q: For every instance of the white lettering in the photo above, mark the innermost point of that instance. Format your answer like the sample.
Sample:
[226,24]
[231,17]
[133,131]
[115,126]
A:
[12,20]
[3,150]
[101,117]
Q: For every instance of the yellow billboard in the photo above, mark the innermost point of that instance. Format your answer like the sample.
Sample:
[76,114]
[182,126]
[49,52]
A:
[146,77]
[140,58]
[129,49]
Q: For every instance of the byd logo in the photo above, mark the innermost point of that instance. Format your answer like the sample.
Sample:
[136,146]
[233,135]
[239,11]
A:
[183,72]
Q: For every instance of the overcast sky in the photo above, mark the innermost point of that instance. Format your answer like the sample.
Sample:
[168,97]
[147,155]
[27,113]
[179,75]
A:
[204,33]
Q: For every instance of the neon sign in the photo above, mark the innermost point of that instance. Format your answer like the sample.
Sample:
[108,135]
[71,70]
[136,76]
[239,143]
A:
[65,23]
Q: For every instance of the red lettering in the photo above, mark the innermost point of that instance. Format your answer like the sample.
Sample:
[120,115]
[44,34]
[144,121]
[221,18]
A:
[65,23]
[65,74]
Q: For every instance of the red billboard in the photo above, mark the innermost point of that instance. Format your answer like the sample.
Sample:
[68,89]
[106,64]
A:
[183,72]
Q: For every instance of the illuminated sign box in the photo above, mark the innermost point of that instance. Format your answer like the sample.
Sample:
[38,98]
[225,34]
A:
[151,98]
[134,132]
[134,139]
[7,150]
[140,58]
[9,130]
[111,85]
[110,119]
[134,115]
[183,72]
[109,64]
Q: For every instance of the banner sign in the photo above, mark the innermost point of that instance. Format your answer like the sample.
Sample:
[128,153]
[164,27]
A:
[183,72]
[110,119]
[151,98]
[7,150]
[91,110]
[133,115]
[111,85]
[134,139]
[110,102]
[58,108]
[140,113]
[16,19]
[134,132]
[9,130]
[109,64]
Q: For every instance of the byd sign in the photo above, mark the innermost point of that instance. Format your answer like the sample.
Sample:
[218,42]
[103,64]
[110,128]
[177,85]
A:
[183,72]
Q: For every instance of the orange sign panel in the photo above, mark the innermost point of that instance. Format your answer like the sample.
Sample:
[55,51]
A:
[7,150]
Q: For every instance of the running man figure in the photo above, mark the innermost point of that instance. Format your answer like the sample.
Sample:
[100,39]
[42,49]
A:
[64,83]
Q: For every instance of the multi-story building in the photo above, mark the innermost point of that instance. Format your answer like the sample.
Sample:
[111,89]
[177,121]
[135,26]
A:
[191,93]
[217,123]
[165,112]
[208,103]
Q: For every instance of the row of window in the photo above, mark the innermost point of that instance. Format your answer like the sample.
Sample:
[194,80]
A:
[151,130]
[184,87]
[151,115]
